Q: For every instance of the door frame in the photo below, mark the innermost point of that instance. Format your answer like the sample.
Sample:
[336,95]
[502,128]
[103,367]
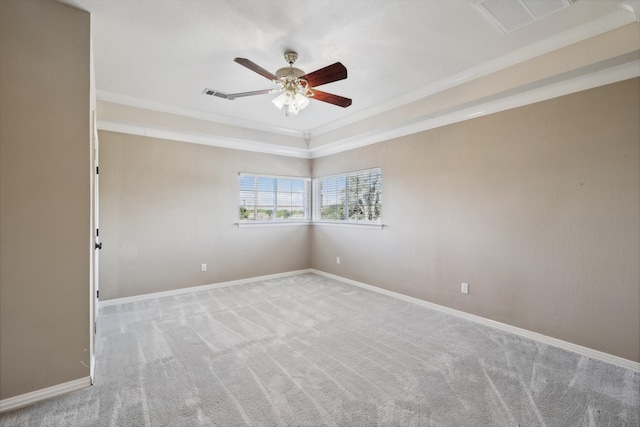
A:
[94,300]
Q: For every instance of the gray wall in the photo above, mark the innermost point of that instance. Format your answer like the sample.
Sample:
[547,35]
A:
[44,195]
[537,208]
[167,207]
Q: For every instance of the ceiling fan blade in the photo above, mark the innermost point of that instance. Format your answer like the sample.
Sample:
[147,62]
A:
[232,96]
[256,68]
[328,74]
[340,101]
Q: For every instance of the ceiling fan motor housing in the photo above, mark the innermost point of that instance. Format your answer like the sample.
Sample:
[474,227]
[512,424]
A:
[290,71]
[289,77]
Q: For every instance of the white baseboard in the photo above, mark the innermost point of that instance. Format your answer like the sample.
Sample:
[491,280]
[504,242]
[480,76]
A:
[46,393]
[60,389]
[585,351]
[181,291]
[595,354]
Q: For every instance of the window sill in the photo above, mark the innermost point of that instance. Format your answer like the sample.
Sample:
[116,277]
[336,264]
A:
[375,226]
[271,224]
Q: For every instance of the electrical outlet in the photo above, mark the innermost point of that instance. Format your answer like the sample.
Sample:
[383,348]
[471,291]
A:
[338,260]
[464,288]
[203,267]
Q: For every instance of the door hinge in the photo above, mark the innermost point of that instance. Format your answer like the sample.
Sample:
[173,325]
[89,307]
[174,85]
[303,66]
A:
[97,170]
[95,327]
[98,294]
[97,232]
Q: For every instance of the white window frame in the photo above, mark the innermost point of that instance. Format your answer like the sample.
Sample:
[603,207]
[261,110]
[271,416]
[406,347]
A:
[274,220]
[345,222]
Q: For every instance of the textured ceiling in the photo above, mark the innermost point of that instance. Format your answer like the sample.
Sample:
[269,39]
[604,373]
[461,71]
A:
[165,52]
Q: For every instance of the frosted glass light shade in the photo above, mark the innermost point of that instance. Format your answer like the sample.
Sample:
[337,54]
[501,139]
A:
[302,100]
[292,100]
[280,100]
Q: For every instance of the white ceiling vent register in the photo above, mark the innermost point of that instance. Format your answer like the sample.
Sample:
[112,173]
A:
[509,15]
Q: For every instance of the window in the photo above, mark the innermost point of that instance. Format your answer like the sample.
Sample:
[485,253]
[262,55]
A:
[274,198]
[354,197]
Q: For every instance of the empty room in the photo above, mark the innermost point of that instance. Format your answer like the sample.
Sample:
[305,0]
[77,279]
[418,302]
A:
[319,213]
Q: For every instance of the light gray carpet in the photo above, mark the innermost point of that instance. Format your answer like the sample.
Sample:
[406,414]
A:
[305,350]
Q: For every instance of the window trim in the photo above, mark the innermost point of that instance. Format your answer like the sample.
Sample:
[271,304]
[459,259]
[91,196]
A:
[271,223]
[370,225]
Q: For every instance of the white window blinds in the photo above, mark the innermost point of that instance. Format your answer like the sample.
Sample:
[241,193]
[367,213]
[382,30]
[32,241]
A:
[350,197]
[266,198]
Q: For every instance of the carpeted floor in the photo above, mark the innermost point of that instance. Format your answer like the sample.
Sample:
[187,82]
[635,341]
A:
[308,351]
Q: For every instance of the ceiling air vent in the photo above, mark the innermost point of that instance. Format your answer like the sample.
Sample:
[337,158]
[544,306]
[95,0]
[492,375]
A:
[509,15]
[214,92]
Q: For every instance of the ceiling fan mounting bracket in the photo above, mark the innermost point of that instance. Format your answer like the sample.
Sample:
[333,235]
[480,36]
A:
[290,57]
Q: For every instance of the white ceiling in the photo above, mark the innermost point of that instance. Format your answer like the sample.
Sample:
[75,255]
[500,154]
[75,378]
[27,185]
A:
[165,52]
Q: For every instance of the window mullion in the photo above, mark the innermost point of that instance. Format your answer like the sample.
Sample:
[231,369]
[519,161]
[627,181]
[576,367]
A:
[255,198]
[275,200]
[347,191]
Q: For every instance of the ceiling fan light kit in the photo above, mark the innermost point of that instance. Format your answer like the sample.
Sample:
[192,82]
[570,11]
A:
[295,89]
[293,84]
[292,101]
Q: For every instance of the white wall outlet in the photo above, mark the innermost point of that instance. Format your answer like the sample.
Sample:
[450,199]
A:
[337,260]
[464,288]
[203,267]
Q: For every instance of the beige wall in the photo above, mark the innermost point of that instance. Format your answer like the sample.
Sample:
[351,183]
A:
[167,207]
[537,208]
[44,195]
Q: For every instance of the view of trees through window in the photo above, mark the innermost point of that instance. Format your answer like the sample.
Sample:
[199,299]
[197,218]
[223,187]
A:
[265,198]
[350,197]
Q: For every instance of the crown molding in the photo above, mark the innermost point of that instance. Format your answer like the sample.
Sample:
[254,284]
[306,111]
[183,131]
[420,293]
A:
[581,79]
[117,98]
[466,112]
[528,94]
[194,138]
[624,15]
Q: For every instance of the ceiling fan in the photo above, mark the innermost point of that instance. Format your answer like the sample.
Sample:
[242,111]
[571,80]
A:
[294,85]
